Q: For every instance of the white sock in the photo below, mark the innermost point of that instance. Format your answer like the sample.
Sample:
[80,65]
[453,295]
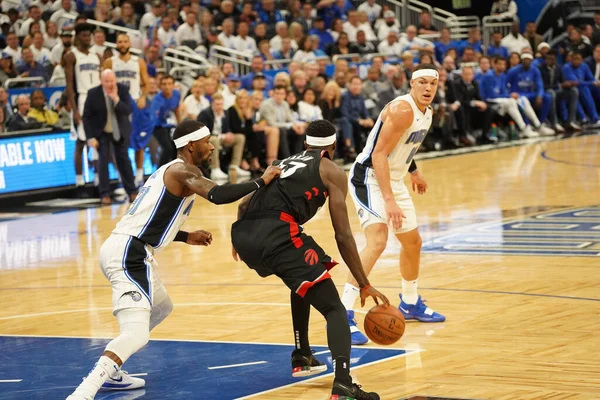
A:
[139,174]
[409,291]
[94,381]
[79,180]
[350,295]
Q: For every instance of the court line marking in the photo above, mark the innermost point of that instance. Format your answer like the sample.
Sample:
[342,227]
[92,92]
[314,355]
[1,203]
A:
[10,380]
[237,365]
[556,160]
[140,374]
[321,352]
[411,351]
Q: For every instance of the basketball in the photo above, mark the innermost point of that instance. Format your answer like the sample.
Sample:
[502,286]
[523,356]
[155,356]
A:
[384,324]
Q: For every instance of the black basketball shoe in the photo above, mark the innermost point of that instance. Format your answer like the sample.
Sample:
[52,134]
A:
[303,365]
[352,391]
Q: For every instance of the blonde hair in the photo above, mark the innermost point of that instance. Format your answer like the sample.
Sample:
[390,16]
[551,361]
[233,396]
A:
[236,103]
[217,96]
[283,75]
[338,92]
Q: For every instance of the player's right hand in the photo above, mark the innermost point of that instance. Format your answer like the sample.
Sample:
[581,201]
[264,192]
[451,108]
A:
[93,142]
[375,294]
[271,173]
[394,214]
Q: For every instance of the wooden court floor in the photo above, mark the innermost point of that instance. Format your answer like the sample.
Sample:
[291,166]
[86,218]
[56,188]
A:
[519,326]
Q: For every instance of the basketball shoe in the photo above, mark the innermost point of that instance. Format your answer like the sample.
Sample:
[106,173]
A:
[419,312]
[358,337]
[305,366]
[122,381]
[352,391]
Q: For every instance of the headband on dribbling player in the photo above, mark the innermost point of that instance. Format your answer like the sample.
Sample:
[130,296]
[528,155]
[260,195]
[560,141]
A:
[320,141]
[192,137]
[431,73]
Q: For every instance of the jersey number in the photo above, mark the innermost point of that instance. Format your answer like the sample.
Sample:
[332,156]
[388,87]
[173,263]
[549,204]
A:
[136,203]
[290,167]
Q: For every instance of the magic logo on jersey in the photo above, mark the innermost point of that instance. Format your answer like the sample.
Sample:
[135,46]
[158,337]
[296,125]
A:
[89,67]
[126,74]
[417,137]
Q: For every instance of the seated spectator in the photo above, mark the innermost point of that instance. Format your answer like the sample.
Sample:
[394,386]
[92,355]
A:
[243,42]
[305,52]
[296,32]
[494,90]
[363,46]
[372,9]
[365,26]
[195,102]
[341,79]
[484,66]
[325,38]
[232,85]
[390,47]
[543,49]
[336,28]
[257,66]
[217,122]
[188,33]
[270,16]
[353,25]
[39,112]
[292,99]
[265,52]
[308,110]
[425,27]
[311,69]
[28,67]
[355,121]
[473,41]
[561,91]
[7,68]
[532,36]
[40,53]
[371,89]
[318,85]
[239,117]
[593,62]
[166,33]
[259,84]
[315,47]
[281,28]
[329,103]
[514,42]
[526,81]
[299,82]
[469,56]
[282,79]
[260,33]
[277,113]
[342,46]
[51,35]
[399,86]
[128,19]
[408,64]
[576,43]
[260,127]
[211,87]
[444,44]
[514,59]
[589,87]
[59,16]
[21,121]
[99,47]
[248,14]
[443,121]
[306,17]
[12,47]
[227,11]
[390,23]
[5,104]
[414,44]
[495,48]
[504,9]
[286,52]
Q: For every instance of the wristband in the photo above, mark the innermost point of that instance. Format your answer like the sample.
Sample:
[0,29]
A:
[181,236]
[365,287]
[413,167]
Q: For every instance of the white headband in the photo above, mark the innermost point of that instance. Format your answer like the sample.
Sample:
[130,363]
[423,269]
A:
[192,137]
[425,72]
[320,141]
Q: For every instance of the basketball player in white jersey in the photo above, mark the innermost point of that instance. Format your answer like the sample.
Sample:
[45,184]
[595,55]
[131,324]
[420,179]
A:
[132,72]
[382,199]
[153,221]
[82,71]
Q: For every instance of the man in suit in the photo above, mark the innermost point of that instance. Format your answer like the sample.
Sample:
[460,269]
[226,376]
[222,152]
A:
[215,119]
[21,121]
[593,62]
[398,87]
[534,38]
[106,121]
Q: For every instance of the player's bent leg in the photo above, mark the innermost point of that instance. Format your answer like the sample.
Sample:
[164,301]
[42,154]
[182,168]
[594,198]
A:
[303,361]
[161,308]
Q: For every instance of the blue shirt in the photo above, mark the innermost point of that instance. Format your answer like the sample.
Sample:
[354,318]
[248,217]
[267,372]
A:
[441,49]
[163,109]
[36,71]
[247,81]
[497,51]
[525,81]
[493,86]
[582,74]
[538,62]
[325,37]
[330,14]
[353,107]
[465,43]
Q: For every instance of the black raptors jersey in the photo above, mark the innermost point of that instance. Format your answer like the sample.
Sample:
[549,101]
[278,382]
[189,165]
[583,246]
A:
[299,191]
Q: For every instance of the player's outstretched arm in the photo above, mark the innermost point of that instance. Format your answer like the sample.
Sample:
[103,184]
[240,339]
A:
[197,238]
[336,182]
[183,179]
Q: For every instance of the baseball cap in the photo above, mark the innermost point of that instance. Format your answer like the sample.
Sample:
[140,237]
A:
[543,45]
[6,56]
[66,32]
[157,3]
[259,75]
[526,55]
[233,77]
[389,14]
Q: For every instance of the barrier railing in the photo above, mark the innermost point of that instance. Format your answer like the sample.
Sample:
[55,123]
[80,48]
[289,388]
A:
[137,40]
[241,60]
[14,81]
[173,58]
[491,25]
[349,56]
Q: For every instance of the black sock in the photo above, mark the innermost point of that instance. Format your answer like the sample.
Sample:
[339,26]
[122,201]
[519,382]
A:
[300,317]
[325,298]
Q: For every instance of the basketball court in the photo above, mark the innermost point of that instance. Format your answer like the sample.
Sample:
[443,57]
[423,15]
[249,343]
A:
[511,257]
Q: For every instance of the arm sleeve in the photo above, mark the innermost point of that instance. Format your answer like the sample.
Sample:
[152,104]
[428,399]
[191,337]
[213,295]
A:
[229,193]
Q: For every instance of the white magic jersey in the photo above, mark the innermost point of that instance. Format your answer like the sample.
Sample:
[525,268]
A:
[128,74]
[156,215]
[87,72]
[400,158]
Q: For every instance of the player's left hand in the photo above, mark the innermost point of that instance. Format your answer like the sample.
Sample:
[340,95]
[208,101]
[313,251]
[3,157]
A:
[141,103]
[418,182]
[199,238]
[375,294]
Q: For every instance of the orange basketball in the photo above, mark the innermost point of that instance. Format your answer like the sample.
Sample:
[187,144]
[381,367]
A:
[384,324]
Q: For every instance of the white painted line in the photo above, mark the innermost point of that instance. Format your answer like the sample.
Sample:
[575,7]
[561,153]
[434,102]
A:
[321,352]
[10,380]
[238,365]
[140,374]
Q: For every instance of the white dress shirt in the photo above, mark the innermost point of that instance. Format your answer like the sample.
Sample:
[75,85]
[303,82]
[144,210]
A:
[187,32]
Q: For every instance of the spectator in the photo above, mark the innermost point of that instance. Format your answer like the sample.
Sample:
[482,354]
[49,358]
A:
[243,42]
[270,16]
[449,66]
[495,48]
[363,46]
[261,128]
[51,36]
[484,66]
[40,53]
[329,103]
[211,86]
[259,84]
[107,122]
[7,68]
[99,47]
[227,11]
[543,49]
[425,27]
[150,19]
[390,23]
[444,44]
[286,52]
[166,112]
[561,91]
[315,47]
[38,110]
[12,47]
[277,113]
[514,42]
[596,29]
[399,86]
[308,109]
[229,91]
[33,28]
[195,102]
[589,88]
[283,79]
[5,104]
[342,46]
[166,33]
[257,66]
[299,82]
[260,32]
[248,14]
[60,18]
[365,26]
[305,52]
[127,19]
[593,62]
[325,38]
[21,121]
[372,9]
[35,15]
[188,34]
[504,9]
[30,68]
[494,89]
[469,56]
[407,64]
[66,38]
[355,121]
[305,18]
[576,43]
[217,122]
[470,110]
[352,26]
[514,59]
[282,33]
[239,117]
[414,44]
[227,37]
[532,36]
[296,32]
[443,122]
[330,12]
[473,41]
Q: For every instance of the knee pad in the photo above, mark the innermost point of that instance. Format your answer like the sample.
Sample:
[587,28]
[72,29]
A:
[135,333]
[160,311]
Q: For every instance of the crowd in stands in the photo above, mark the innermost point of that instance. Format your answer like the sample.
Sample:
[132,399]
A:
[517,87]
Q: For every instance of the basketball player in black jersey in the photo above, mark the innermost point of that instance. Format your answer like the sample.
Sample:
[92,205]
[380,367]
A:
[268,237]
